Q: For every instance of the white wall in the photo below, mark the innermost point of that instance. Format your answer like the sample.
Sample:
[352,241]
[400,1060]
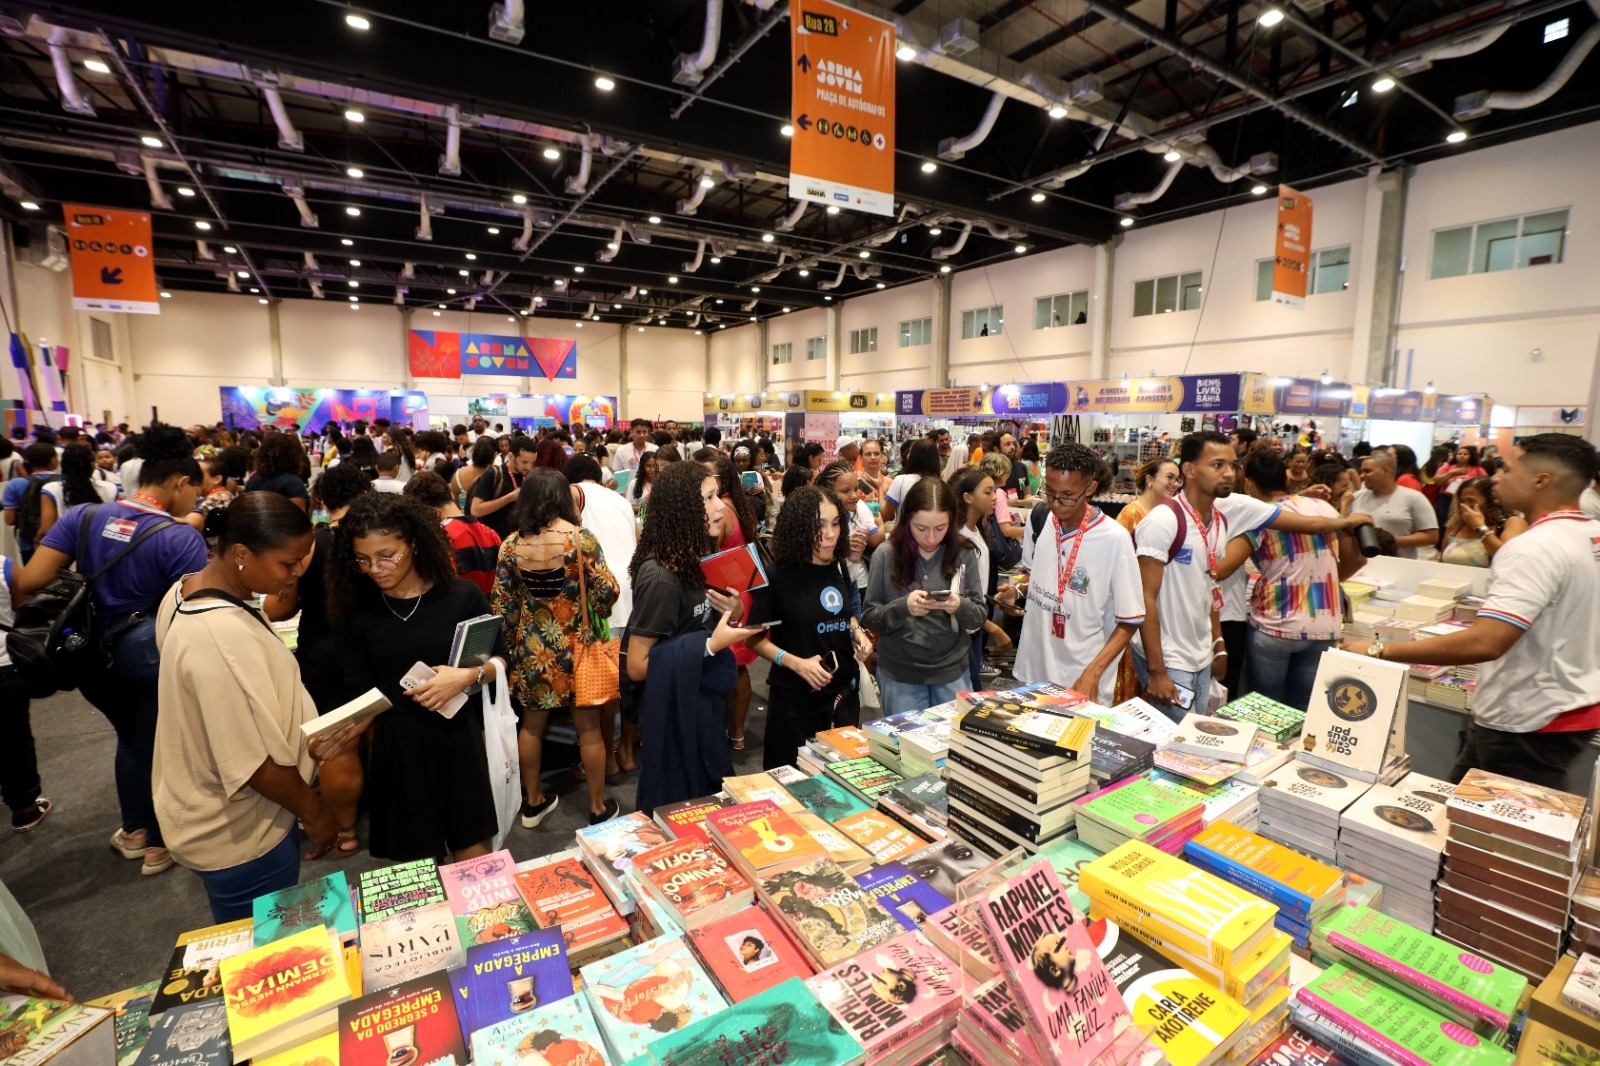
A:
[735,359]
[891,367]
[794,329]
[97,382]
[199,343]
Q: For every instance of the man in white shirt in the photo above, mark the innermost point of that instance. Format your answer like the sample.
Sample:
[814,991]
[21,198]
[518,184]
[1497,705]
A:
[611,519]
[1084,596]
[629,455]
[1404,512]
[1538,699]
[1590,500]
[1179,545]
[388,479]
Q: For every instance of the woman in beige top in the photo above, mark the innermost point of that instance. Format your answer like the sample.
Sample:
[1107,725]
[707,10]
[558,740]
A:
[232,768]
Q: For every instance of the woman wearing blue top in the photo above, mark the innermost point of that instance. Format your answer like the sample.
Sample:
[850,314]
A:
[139,550]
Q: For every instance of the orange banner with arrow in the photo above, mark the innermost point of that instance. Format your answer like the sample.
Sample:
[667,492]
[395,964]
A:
[842,101]
[113,260]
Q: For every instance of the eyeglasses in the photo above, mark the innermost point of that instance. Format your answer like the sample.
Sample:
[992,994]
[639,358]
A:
[1067,501]
[382,563]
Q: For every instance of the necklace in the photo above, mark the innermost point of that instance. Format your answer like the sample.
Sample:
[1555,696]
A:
[407,616]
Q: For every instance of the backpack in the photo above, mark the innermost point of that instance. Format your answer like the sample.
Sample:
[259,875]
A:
[55,638]
[30,510]
[1004,552]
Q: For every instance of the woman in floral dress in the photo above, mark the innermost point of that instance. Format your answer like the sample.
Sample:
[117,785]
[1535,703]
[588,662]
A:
[536,591]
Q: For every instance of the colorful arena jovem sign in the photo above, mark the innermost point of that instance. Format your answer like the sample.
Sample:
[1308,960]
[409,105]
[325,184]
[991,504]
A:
[252,407]
[443,354]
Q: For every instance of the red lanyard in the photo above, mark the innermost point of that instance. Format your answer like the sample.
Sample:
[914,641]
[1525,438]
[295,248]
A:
[1565,512]
[1064,573]
[1205,538]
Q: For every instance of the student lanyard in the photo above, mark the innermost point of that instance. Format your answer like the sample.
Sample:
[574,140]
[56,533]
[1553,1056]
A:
[1205,538]
[1565,512]
[1064,572]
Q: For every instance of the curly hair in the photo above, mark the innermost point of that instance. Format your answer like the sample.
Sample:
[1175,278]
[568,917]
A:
[928,494]
[280,454]
[1494,515]
[731,489]
[167,452]
[77,475]
[386,512]
[794,538]
[339,486]
[997,465]
[232,463]
[674,533]
[427,487]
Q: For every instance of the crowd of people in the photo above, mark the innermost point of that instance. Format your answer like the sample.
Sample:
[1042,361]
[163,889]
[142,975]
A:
[894,577]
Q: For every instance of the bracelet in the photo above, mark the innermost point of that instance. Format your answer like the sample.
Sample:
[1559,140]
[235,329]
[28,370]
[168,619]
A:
[709,652]
[1219,640]
[779,658]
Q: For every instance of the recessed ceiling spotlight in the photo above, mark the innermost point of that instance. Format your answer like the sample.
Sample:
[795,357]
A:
[166,295]
[641,329]
[357,22]
[905,52]
[150,142]
[243,273]
[752,318]
[1457,136]
[1127,222]
[1037,197]
[494,231]
[538,299]
[518,198]
[1257,190]
[828,298]
[1383,84]
[755,288]
[767,238]
[719,302]
[184,190]
[355,299]
[1270,17]
[436,314]
[716,259]
[352,115]
[577,270]
[355,172]
[202,224]
[354,284]
[616,307]
[355,262]
[448,292]
[254,290]
[1057,112]
[786,310]
[463,273]
[441,306]
[881,285]
[262,300]
[655,220]
[929,166]
[552,153]
[510,319]
[96,65]
[672,279]
[346,241]
[644,292]
[945,269]
[934,231]
[353,212]
[29,205]
[596,318]
[864,254]
[786,129]
[1172,156]
[706,182]
[722,327]
[1020,249]
[833,209]
[579,325]
[804,273]
[355,307]
[612,246]
[472,255]
[604,84]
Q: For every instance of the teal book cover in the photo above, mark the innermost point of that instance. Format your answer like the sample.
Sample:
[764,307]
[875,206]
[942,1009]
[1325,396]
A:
[643,993]
[826,799]
[325,902]
[562,1033]
[783,1024]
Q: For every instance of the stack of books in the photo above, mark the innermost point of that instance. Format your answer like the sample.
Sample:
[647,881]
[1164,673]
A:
[925,750]
[752,788]
[1213,738]
[609,849]
[1397,833]
[1585,929]
[1138,809]
[1264,759]
[639,994]
[1305,890]
[1277,721]
[74,1034]
[760,838]
[1230,800]
[748,953]
[835,844]
[686,819]
[921,804]
[866,777]
[285,992]
[408,945]
[1562,1009]
[691,880]
[482,893]
[561,893]
[898,1001]
[1301,805]
[1208,1023]
[826,798]
[883,837]
[903,894]
[325,901]
[834,745]
[1117,757]
[1513,858]
[828,915]
[884,734]
[1201,769]
[1372,1022]
[1355,725]
[1133,718]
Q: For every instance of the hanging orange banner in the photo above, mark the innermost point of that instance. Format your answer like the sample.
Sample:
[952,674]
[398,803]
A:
[842,101]
[1291,266]
[113,260]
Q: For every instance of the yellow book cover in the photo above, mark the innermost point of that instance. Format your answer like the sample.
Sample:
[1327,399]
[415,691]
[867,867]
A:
[1299,884]
[323,1051]
[885,838]
[281,983]
[1205,914]
[1167,942]
[762,786]
[841,849]
[1184,1016]
[353,971]
[227,932]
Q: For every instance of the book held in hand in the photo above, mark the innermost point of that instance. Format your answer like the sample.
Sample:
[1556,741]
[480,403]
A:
[473,642]
[364,708]
[739,569]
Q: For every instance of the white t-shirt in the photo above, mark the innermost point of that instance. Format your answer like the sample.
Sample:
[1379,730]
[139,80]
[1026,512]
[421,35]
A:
[956,460]
[1590,502]
[1184,604]
[8,613]
[1546,583]
[627,458]
[57,492]
[610,518]
[128,472]
[1104,592]
[864,521]
[900,487]
[389,484]
[1403,512]
[976,538]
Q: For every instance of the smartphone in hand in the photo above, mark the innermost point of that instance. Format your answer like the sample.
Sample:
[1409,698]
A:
[1185,696]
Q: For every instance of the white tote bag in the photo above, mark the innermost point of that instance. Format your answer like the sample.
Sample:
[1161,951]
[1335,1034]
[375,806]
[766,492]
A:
[500,744]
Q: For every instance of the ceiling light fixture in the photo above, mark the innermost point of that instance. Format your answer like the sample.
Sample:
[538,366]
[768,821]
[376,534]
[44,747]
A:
[577,270]
[184,190]
[448,292]
[755,288]
[616,307]
[1057,112]
[1456,136]
[202,224]
[672,279]
[352,115]
[262,300]
[604,84]
[1021,249]
[864,254]
[612,246]
[828,298]
[905,52]
[1383,84]
[166,295]
[1270,17]
[716,259]
[786,129]
[881,285]
[472,255]
[436,314]
[552,153]
[929,166]
[29,205]
[463,273]
[706,182]
[244,273]
[1037,197]
[518,198]
[766,238]
[346,241]
[1257,190]
[1127,222]
[353,212]
[354,284]
[644,292]
[355,172]
[254,290]
[833,209]
[355,299]
[945,269]
[96,65]
[934,231]
[494,231]
[355,262]
[151,142]
[786,310]
[804,273]
[357,22]
[1172,156]
[655,220]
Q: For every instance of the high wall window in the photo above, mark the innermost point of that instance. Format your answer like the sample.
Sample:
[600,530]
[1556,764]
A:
[916,331]
[1067,309]
[1330,272]
[863,340]
[100,335]
[816,347]
[1160,296]
[983,322]
[782,353]
[1503,244]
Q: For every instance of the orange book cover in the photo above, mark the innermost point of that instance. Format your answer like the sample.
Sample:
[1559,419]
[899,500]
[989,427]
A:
[885,838]
[561,893]
[283,982]
[764,836]
[849,742]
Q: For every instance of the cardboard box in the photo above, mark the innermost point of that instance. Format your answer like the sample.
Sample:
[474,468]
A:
[1547,1007]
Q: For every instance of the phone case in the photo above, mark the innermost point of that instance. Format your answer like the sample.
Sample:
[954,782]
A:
[421,672]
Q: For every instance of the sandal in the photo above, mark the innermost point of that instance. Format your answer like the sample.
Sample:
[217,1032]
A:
[345,844]
[738,742]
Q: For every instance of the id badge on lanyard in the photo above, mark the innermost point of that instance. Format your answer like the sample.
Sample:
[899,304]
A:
[1067,578]
[1211,555]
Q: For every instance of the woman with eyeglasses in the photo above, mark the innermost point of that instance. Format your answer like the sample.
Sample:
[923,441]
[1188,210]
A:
[395,601]
[814,678]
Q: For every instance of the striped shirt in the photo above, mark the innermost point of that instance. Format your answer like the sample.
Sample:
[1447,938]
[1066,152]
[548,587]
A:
[1297,595]
[477,550]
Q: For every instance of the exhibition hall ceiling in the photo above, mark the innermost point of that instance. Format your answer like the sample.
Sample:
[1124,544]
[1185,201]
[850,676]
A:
[628,160]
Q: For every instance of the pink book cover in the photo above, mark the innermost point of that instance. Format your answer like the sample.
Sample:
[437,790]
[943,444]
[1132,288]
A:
[1051,965]
[962,936]
[484,899]
[892,994]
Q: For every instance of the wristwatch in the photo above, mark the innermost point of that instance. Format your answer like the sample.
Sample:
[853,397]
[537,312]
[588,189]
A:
[1483,531]
[1375,649]
[479,681]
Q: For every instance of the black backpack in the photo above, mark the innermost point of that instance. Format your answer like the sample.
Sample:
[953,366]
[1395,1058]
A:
[30,510]
[55,639]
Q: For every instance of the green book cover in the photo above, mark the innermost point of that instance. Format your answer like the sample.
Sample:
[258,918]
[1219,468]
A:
[1393,1023]
[826,799]
[784,1024]
[324,901]
[1466,986]
[1068,856]
[1136,806]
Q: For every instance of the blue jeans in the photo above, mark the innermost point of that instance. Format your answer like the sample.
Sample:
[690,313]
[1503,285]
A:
[126,695]
[897,696]
[233,890]
[1284,670]
[1199,683]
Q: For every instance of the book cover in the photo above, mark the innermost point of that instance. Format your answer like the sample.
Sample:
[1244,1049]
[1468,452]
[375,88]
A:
[1051,965]
[130,1010]
[761,837]
[1138,806]
[959,933]
[694,879]
[1543,818]
[561,892]
[1201,769]
[1297,884]
[1398,1026]
[752,788]
[738,569]
[783,1025]
[826,798]
[409,944]
[886,839]
[1581,991]
[482,894]
[994,1011]
[867,777]
[640,994]
[1354,704]
[1199,911]
[283,986]
[945,864]
[1216,738]
[890,995]
[473,641]
[319,1051]
[1219,800]
[923,795]
[393,889]
[1543,1046]
[192,975]
[1301,786]
[363,708]
[563,1033]
[1069,857]
[748,953]
[1114,755]
[511,976]
[852,857]
[616,842]
[1411,822]
[847,741]
[34,1032]
[1188,1019]
[686,819]
[193,1034]
[324,901]
[832,918]
[1295,1047]
[1133,718]
[413,1023]
[1036,730]
[1277,720]
[903,894]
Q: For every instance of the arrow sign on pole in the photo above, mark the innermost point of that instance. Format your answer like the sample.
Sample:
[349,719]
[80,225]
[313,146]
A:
[804,122]
[111,275]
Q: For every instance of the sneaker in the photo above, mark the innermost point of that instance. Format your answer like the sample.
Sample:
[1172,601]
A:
[156,861]
[30,816]
[119,844]
[612,809]
[534,813]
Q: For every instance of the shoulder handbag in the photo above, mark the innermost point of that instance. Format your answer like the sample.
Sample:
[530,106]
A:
[595,674]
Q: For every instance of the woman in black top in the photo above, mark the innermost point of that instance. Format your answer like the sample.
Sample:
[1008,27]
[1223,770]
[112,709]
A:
[395,601]
[280,466]
[814,678]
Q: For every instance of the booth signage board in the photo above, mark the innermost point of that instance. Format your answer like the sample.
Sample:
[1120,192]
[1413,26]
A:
[822,427]
[113,261]
[842,107]
[1029,399]
[1574,416]
[1401,405]
[945,403]
[743,404]
[446,354]
[1360,401]
[550,408]
[1157,395]
[848,402]
[295,410]
[1462,410]
[1307,397]
[1291,264]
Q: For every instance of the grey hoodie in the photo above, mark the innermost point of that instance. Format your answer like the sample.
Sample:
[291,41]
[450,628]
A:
[927,650]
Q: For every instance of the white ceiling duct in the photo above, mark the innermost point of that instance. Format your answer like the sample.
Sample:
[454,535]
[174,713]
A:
[1004,233]
[308,218]
[233,282]
[472,303]
[590,312]
[158,196]
[400,296]
[948,250]
[579,182]
[310,261]
[789,221]
[521,243]
[609,252]
[203,250]
[1425,58]
[1125,200]
[506,22]
[1478,104]
[844,268]
[692,265]
[289,138]
[953,148]
[425,220]
[701,187]
[408,271]
[316,288]
[488,279]
[864,271]
[630,292]
[689,67]
[450,162]
[72,99]
[749,305]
